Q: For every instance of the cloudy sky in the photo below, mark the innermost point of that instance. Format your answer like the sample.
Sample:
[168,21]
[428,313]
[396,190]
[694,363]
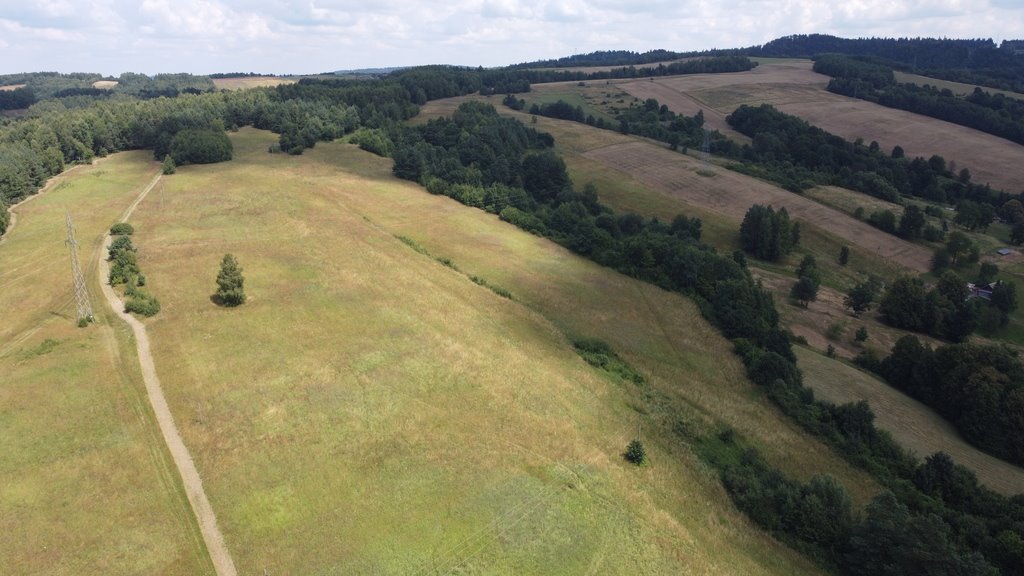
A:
[307,36]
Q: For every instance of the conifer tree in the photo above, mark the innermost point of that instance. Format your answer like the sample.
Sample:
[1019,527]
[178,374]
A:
[230,289]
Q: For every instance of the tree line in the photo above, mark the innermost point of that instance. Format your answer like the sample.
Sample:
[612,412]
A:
[960,535]
[972,61]
[797,154]
[996,114]
[978,388]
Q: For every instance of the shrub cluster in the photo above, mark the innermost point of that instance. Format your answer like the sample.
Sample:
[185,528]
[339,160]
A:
[124,269]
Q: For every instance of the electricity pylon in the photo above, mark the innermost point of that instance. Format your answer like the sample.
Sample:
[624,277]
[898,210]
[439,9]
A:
[81,292]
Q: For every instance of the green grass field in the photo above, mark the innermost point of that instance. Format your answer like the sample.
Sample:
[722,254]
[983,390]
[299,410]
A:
[370,410]
[86,486]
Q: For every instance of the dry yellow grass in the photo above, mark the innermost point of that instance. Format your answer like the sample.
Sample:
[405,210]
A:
[732,194]
[912,424]
[792,87]
[105,84]
[85,484]
[370,410]
[12,87]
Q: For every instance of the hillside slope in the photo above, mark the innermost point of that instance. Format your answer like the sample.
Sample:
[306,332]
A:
[371,410]
[85,484]
[792,87]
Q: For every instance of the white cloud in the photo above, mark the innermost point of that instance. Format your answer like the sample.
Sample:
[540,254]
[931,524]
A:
[318,35]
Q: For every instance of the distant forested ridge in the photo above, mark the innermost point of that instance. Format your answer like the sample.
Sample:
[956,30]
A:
[972,61]
[54,85]
[605,58]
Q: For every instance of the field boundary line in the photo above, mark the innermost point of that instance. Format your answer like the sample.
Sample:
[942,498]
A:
[200,504]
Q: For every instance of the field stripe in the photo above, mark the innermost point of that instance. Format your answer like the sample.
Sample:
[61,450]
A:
[222,562]
[731,194]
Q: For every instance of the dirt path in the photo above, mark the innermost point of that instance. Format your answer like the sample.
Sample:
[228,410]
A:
[49,184]
[212,536]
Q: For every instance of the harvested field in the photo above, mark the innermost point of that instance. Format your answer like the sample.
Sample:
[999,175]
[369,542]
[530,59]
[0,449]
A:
[732,194]
[250,82]
[792,87]
[11,87]
[912,424]
[105,84]
[990,159]
[958,88]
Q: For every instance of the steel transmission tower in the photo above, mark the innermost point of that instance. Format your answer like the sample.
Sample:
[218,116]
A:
[705,155]
[81,292]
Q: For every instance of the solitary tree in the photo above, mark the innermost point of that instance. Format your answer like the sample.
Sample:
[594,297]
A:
[804,291]
[844,255]
[230,291]
[635,453]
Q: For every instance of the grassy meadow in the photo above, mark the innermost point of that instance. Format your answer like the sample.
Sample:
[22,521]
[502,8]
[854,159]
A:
[86,486]
[371,410]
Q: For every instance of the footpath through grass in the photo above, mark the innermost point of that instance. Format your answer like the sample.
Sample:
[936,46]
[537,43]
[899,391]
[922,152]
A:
[85,484]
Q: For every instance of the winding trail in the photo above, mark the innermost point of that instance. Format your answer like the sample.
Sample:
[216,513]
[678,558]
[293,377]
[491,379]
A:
[49,184]
[222,562]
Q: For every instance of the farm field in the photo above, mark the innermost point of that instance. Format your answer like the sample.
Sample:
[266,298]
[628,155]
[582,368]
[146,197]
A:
[243,82]
[336,417]
[792,87]
[105,84]
[12,87]
[731,194]
[958,88]
[911,423]
[85,483]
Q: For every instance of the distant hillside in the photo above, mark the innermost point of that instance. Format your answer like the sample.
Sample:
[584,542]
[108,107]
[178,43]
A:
[604,58]
[973,61]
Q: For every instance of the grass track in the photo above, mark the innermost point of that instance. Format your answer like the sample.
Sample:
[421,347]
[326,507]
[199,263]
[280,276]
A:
[85,485]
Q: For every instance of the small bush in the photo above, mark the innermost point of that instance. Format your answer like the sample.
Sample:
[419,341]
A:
[373,140]
[635,453]
[120,243]
[143,303]
[122,229]
[599,354]
[835,330]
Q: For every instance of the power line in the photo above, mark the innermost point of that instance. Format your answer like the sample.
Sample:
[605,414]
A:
[81,292]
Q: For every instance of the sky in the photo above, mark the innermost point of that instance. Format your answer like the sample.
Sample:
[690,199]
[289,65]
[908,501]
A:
[310,36]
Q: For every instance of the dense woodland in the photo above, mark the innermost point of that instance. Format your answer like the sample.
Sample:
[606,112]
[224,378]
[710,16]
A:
[936,514]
